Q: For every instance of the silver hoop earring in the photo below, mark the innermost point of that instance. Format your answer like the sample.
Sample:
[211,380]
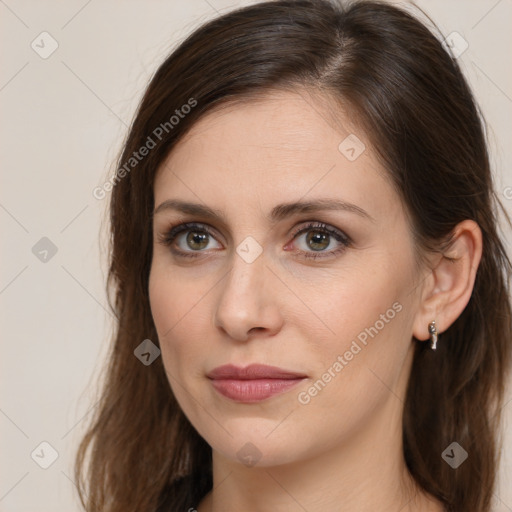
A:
[433,334]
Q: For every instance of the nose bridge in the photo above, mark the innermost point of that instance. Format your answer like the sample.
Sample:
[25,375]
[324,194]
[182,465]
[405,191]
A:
[245,301]
[243,285]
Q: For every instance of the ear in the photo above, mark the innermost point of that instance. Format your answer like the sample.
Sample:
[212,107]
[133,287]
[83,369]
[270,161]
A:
[451,281]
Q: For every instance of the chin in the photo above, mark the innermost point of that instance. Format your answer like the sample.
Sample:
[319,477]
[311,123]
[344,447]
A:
[253,452]
[256,443]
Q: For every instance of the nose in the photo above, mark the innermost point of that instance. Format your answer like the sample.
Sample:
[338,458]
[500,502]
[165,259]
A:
[248,301]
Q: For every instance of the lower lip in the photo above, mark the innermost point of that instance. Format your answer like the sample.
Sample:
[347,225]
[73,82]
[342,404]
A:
[253,390]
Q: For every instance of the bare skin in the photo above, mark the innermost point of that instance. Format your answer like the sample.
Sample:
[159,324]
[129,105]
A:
[339,448]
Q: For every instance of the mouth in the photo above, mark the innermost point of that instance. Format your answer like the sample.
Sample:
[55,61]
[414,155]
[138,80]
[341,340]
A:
[253,383]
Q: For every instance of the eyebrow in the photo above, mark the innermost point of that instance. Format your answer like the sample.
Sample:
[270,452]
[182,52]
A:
[279,212]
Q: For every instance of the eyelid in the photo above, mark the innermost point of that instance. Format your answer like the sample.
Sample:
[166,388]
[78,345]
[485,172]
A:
[321,226]
[170,234]
[340,236]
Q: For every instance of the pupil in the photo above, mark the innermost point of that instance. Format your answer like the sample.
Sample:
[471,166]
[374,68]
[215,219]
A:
[318,239]
[199,238]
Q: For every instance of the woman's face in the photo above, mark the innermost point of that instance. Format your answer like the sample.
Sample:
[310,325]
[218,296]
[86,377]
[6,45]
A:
[249,290]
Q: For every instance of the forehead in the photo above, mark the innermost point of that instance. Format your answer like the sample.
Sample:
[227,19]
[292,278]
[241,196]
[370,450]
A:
[282,143]
[285,123]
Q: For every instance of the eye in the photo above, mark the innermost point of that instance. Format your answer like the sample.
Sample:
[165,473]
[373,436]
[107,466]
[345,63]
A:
[198,237]
[191,238]
[319,237]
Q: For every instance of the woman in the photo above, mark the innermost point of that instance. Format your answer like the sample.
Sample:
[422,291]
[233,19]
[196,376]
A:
[312,296]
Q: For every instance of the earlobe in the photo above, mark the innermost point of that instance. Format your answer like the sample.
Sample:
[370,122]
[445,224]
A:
[451,281]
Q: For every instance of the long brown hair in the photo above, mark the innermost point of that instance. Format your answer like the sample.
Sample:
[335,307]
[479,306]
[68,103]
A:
[410,98]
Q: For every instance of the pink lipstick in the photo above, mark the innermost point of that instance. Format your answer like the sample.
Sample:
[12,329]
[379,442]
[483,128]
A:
[253,383]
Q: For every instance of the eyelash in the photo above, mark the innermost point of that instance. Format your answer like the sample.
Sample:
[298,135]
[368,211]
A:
[172,233]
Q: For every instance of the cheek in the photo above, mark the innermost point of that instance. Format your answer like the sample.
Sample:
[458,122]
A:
[172,298]
[163,302]
[354,380]
[356,304]
[175,309]
[180,310]
[172,307]
[369,321]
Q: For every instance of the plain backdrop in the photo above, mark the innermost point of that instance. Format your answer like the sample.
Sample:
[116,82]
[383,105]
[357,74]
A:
[64,116]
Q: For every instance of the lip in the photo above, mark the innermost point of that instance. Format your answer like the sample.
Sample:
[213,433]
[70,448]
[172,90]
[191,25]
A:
[253,371]
[253,383]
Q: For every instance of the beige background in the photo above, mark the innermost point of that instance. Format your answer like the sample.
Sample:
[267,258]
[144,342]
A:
[63,119]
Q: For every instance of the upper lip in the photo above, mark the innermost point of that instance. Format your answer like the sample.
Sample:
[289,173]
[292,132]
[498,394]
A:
[253,371]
